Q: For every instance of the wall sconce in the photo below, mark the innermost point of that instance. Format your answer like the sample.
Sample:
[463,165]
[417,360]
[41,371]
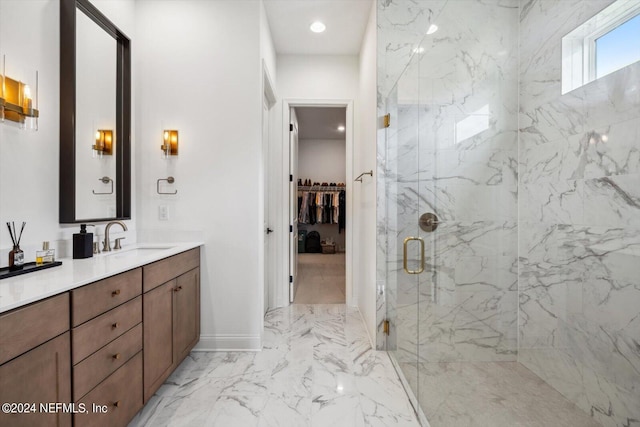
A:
[104,142]
[17,101]
[169,145]
[2,101]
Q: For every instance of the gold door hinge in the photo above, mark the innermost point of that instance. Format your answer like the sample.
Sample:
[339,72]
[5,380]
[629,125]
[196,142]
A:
[385,327]
[387,120]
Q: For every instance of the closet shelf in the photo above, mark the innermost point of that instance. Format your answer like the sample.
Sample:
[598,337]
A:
[321,188]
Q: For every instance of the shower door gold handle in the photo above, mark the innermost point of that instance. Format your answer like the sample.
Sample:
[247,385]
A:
[404,259]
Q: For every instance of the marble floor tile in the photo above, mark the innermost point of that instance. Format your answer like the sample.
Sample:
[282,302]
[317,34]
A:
[320,370]
[497,394]
[317,368]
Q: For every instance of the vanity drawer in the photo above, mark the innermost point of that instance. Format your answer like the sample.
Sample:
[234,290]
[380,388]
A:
[92,300]
[27,327]
[90,336]
[160,272]
[95,368]
[121,393]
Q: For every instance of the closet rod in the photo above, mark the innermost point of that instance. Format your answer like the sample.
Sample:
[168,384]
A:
[321,188]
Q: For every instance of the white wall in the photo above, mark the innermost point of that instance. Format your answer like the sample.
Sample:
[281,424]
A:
[29,160]
[318,76]
[322,160]
[302,78]
[364,197]
[267,49]
[199,72]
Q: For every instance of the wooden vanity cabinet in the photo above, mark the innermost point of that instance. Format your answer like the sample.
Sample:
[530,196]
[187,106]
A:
[158,336]
[186,314]
[107,349]
[171,315]
[111,343]
[35,361]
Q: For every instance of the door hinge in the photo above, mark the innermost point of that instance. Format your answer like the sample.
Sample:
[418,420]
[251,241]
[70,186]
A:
[291,229]
[290,178]
[387,120]
[290,127]
[385,327]
[290,279]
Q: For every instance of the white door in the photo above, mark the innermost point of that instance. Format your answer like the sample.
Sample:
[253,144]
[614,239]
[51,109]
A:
[293,204]
[268,262]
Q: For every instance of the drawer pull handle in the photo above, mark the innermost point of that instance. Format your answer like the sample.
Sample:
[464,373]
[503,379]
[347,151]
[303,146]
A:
[116,403]
[116,356]
[115,293]
[115,325]
[178,289]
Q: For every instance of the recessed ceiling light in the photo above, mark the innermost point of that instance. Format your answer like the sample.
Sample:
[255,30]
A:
[317,27]
[340,128]
[432,29]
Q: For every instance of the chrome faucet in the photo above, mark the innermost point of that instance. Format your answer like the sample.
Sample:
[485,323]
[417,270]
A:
[107,245]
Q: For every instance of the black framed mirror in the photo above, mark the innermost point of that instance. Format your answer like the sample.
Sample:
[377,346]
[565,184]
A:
[95,62]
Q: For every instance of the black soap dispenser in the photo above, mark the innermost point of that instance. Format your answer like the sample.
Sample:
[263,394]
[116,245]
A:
[82,243]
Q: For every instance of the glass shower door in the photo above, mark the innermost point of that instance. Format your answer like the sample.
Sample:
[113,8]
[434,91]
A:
[451,183]
[467,149]
[403,249]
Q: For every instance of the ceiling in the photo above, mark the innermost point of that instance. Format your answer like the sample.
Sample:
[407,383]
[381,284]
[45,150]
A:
[320,122]
[346,21]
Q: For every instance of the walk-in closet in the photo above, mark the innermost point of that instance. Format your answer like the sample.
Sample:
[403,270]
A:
[321,209]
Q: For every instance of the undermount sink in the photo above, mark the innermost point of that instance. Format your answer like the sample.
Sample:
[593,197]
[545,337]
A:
[138,251]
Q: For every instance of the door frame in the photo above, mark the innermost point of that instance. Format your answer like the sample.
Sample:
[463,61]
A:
[287,104]
[292,214]
[266,261]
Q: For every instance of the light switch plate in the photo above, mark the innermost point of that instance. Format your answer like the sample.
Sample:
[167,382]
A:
[163,213]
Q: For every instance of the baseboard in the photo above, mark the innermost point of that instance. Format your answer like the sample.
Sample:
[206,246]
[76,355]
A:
[373,344]
[229,343]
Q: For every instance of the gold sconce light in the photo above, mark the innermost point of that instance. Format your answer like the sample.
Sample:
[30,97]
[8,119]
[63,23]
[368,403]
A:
[169,145]
[17,101]
[104,142]
[2,101]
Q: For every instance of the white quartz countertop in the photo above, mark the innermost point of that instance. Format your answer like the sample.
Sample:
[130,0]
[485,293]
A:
[27,288]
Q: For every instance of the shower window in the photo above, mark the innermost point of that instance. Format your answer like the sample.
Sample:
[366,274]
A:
[611,51]
[607,42]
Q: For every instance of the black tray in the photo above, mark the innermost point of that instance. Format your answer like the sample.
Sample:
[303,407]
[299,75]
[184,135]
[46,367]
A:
[28,267]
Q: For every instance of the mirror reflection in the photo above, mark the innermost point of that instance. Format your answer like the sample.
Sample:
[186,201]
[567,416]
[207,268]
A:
[95,119]
[96,145]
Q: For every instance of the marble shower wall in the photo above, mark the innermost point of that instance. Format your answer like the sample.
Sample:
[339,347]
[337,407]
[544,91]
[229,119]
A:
[468,126]
[579,245]
[540,244]
[451,149]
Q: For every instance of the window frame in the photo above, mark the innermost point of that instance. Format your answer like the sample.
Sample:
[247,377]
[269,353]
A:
[579,47]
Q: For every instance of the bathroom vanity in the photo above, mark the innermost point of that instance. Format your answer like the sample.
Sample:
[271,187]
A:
[99,335]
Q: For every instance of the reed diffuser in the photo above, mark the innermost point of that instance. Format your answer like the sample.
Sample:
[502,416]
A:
[16,256]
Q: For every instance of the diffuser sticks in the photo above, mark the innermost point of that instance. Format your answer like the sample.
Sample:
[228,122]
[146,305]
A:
[16,256]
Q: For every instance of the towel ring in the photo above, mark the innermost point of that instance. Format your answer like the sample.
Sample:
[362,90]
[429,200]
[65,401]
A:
[170,180]
[105,180]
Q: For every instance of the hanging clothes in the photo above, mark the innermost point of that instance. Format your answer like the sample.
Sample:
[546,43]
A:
[342,215]
[327,208]
[320,207]
[300,198]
